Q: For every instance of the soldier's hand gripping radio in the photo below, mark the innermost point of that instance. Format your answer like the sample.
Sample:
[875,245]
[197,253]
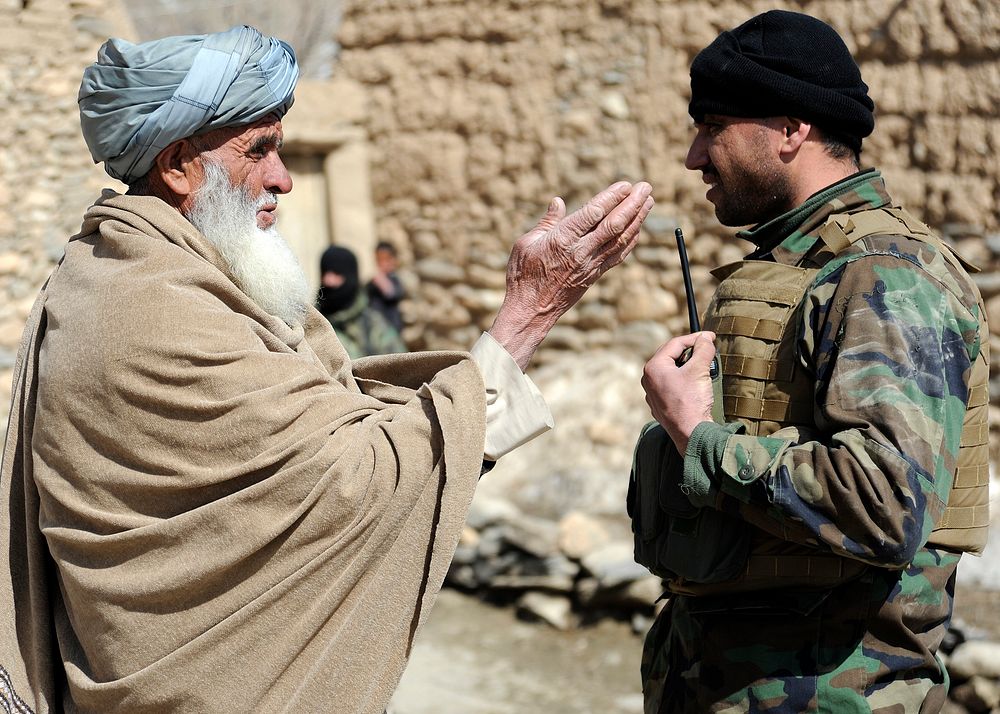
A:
[695,324]
[676,536]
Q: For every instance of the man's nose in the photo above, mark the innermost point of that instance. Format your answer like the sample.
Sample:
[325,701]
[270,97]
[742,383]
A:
[278,180]
[697,156]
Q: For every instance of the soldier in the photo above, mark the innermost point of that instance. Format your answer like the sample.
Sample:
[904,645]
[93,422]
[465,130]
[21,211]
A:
[361,328]
[810,542]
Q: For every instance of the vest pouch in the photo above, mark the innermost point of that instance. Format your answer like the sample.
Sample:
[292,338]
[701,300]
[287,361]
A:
[709,547]
[673,538]
[654,455]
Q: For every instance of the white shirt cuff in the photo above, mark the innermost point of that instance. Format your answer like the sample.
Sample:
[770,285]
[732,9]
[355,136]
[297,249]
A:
[516,412]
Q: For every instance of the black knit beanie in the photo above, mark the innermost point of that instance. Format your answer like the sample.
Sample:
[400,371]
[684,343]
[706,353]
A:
[784,63]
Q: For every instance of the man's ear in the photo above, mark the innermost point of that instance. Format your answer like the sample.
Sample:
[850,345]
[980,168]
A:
[794,133]
[177,168]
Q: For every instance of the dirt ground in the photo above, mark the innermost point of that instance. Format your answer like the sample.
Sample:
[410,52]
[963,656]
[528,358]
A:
[477,658]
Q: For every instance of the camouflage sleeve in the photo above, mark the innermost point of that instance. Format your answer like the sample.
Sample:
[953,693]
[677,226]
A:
[891,348]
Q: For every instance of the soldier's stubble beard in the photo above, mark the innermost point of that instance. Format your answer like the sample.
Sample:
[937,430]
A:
[751,191]
[260,261]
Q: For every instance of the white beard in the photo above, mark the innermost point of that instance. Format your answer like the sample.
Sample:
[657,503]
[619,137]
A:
[260,260]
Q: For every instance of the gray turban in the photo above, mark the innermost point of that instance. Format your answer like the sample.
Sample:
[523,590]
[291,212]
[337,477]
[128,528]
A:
[138,99]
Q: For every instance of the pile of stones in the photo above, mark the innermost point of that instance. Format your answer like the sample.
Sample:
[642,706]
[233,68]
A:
[973,663]
[560,572]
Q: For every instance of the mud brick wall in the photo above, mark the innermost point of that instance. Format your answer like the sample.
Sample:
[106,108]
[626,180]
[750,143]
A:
[479,111]
[482,110]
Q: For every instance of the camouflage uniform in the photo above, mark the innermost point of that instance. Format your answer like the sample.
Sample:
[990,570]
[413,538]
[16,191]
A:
[364,331]
[889,332]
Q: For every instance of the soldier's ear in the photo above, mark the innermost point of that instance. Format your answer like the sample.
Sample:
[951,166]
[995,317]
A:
[794,133]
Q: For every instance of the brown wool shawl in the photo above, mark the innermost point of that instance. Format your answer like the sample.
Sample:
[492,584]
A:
[203,509]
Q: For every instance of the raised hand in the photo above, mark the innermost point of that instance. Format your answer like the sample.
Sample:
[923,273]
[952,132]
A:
[552,265]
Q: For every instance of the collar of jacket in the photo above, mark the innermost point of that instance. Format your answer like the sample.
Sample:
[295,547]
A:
[788,237]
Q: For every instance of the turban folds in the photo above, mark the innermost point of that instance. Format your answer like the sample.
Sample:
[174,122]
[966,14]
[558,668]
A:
[138,99]
[783,63]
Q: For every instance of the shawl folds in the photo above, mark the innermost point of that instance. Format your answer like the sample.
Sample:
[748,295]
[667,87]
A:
[207,510]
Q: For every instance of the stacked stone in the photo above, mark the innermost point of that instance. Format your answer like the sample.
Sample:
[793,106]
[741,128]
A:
[48,176]
[973,663]
[482,110]
[555,571]
[577,569]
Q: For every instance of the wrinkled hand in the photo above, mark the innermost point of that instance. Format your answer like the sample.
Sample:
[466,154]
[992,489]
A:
[680,396]
[553,265]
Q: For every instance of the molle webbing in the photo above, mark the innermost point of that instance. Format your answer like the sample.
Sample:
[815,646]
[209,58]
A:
[807,568]
[754,314]
[965,521]
[750,314]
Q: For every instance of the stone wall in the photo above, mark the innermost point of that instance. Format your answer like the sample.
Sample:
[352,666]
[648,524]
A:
[477,112]
[48,175]
[482,110]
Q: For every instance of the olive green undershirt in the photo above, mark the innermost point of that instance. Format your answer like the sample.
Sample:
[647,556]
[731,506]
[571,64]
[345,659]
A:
[768,236]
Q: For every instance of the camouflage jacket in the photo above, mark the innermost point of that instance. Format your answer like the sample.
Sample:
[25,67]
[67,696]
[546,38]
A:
[869,486]
[364,331]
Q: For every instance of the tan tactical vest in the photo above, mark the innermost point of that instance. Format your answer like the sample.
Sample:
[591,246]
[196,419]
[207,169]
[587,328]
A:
[755,314]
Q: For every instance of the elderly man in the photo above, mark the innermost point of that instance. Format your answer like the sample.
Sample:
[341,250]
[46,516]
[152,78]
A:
[207,506]
[810,544]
